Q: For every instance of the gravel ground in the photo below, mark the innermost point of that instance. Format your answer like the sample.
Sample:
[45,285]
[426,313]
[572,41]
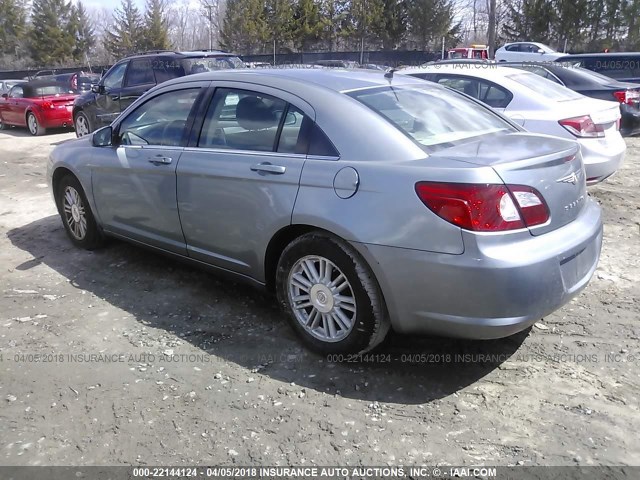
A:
[120,356]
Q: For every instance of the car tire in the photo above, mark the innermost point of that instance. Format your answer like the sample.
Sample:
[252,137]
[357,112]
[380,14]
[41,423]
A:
[76,214]
[3,126]
[34,126]
[82,125]
[343,311]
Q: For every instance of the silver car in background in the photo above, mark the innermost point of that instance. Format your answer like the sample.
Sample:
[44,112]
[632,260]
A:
[364,200]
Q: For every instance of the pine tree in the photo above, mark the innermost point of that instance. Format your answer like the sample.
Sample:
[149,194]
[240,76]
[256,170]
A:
[244,28]
[126,35]
[392,27]
[308,24]
[429,21]
[83,32]
[529,19]
[156,35]
[51,38]
[12,25]
[279,19]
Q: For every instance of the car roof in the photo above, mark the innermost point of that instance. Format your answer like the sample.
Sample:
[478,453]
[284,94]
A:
[189,54]
[337,79]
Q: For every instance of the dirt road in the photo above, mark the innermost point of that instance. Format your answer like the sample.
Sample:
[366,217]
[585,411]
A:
[121,356]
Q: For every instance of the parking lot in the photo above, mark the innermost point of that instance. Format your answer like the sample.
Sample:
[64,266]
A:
[121,356]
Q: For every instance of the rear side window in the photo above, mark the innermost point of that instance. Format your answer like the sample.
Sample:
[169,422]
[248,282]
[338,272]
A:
[140,73]
[319,143]
[242,120]
[487,92]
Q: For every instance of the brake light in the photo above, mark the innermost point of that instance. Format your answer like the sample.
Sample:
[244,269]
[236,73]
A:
[484,207]
[46,104]
[582,127]
[74,81]
[627,96]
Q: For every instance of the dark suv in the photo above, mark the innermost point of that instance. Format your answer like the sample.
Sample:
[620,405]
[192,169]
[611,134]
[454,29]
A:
[128,79]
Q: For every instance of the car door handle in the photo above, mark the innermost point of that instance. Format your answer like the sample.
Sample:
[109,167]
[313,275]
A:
[160,160]
[268,168]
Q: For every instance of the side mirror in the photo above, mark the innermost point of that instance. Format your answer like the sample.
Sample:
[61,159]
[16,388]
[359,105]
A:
[102,137]
[291,119]
[97,88]
[540,50]
[5,95]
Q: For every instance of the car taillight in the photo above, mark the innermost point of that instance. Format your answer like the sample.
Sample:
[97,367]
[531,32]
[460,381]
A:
[74,81]
[582,126]
[627,96]
[484,207]
[46,105]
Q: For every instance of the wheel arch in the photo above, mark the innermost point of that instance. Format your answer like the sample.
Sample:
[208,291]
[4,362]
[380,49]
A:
[286,235]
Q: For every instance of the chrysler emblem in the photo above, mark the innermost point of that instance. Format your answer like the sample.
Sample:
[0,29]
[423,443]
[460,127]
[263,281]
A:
[572,178]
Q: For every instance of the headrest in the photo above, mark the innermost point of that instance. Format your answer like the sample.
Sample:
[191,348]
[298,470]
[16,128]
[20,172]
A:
[253,113]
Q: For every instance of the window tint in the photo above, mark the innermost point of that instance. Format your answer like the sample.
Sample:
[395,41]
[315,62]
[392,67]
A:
[115,76]
[16,92]
[512,48]
[140,73]
[159,121]
[433,117]
[242,120]
[319,143]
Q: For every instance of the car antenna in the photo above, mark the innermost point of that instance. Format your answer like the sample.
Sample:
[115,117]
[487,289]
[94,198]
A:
[389,73]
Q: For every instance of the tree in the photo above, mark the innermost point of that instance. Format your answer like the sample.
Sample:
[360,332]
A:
[529,19]
[244,28]
[83,32]
[156,35]
[126,35]
[429,21]
[391,28]
[51,39]
[12,25]
[279,20]
[308,24]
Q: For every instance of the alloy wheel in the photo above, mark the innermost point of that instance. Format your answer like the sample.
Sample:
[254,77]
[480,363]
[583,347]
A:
[82,126]
[74,213]
[322,298]
[32,123]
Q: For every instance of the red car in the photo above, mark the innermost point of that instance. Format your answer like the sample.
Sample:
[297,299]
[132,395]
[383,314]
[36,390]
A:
[37,105]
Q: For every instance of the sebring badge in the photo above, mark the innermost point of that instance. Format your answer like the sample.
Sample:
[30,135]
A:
[571,178]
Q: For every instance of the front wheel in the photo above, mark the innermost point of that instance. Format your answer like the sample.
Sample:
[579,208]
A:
[76,214]
[34,126]
[332,299]
[82,125]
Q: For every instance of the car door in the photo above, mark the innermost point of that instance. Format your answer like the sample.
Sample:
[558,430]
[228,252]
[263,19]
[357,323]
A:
[108,99]
[139,78]
[16,106]
[134,185]
[238,179]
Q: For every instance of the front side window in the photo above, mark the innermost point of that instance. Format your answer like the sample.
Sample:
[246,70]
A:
[433,117]
[159,121]
[242,120]
[114,77]
[140,73]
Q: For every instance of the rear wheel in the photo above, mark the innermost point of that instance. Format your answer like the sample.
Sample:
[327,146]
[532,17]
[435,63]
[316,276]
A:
[3,126]
[82,125]
[34,126]
[76,214]
[332,299]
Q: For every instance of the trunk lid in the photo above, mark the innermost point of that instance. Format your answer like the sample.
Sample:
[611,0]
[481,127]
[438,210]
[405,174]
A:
[551,165]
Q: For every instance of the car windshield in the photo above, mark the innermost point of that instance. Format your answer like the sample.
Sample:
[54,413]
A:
[435,118]
[550,90]
[210,64]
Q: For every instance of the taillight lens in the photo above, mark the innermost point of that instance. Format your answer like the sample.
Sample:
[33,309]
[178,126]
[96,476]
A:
[46,104]
[582,127]
[484,207]
[74,81]
[627,96]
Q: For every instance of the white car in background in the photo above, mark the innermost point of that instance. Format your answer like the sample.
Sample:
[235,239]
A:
[527,52]
[541,106]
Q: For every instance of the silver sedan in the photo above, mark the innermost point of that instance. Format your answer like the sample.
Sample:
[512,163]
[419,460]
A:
[364,200]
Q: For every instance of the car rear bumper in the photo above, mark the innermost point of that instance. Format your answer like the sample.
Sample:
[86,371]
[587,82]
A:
[602,156]
[56,118]
[500,285]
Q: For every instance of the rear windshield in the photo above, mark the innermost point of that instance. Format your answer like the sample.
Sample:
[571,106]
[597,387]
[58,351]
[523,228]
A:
[210,64]
[542,86]
[51,90]
[434,118]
